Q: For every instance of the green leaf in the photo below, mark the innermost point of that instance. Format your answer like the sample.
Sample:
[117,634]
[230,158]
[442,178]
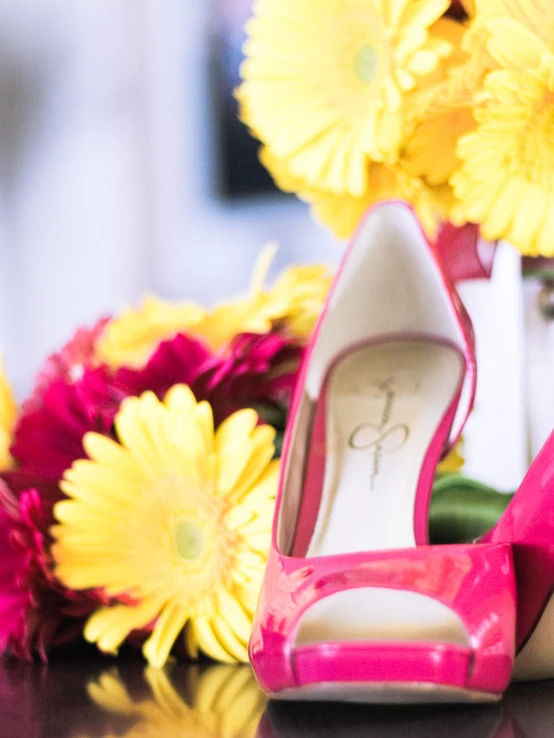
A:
[271,414]
[463,509]
[278,442]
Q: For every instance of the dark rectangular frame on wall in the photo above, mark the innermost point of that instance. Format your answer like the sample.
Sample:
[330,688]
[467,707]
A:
[238,172]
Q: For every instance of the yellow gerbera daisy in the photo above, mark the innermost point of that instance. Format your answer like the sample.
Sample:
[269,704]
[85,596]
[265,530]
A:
[175,517]
[506,181]
[219,701]
[324,82]
[294,302]
[8,413]
[130,338]
[342,213]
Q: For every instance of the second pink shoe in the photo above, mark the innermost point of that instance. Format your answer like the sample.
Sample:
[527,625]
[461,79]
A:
[528,525]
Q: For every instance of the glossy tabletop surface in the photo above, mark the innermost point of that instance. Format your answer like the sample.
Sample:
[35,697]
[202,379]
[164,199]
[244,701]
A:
[96,698]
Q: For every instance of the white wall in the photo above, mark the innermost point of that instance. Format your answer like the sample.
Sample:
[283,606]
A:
[106,170]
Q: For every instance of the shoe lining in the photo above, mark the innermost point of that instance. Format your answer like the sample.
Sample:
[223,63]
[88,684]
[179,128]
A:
[384,404]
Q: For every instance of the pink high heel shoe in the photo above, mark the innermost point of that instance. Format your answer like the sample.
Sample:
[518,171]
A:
[528,524]
[355,605]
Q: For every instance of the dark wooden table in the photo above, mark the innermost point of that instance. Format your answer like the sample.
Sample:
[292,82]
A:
[96,698]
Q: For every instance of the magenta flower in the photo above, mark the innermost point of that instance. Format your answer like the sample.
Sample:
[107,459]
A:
[252,370]
[69,364]
[48,439]
[36,610]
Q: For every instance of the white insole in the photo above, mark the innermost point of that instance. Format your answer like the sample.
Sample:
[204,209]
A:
[384,404]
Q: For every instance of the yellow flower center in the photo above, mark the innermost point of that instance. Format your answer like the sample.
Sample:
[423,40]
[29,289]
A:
[366,63]
[360,54]
[189,539]
[194,536]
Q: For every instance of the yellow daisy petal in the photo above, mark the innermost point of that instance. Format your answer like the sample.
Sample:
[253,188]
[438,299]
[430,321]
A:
[227,637]
[544,244]
[536,16]
[261,444]
[513,46]
[203,633]
[248,596]
[235,616]
[509,159]
[235,429]
[440,123]
[109,626]
[168,626]
[181,398]
[265,486]
[104,450]
[8,413]
[259,541]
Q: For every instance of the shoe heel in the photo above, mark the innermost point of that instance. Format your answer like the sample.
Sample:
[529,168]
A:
[534,567]
[528,525]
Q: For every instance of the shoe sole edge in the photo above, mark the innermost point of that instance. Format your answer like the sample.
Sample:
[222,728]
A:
[401,693]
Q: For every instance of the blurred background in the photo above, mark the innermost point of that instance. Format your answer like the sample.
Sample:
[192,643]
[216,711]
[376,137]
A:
[123,170]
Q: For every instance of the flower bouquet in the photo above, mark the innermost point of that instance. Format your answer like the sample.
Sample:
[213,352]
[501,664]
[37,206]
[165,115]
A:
[138,478]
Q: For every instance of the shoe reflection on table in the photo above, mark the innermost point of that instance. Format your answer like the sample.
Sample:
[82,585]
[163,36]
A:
[527,711]
[531,708]
[327,720]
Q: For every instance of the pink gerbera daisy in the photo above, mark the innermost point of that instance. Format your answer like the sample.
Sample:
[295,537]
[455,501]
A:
[68,364]
[48,439]
[252,370]
[36,610]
